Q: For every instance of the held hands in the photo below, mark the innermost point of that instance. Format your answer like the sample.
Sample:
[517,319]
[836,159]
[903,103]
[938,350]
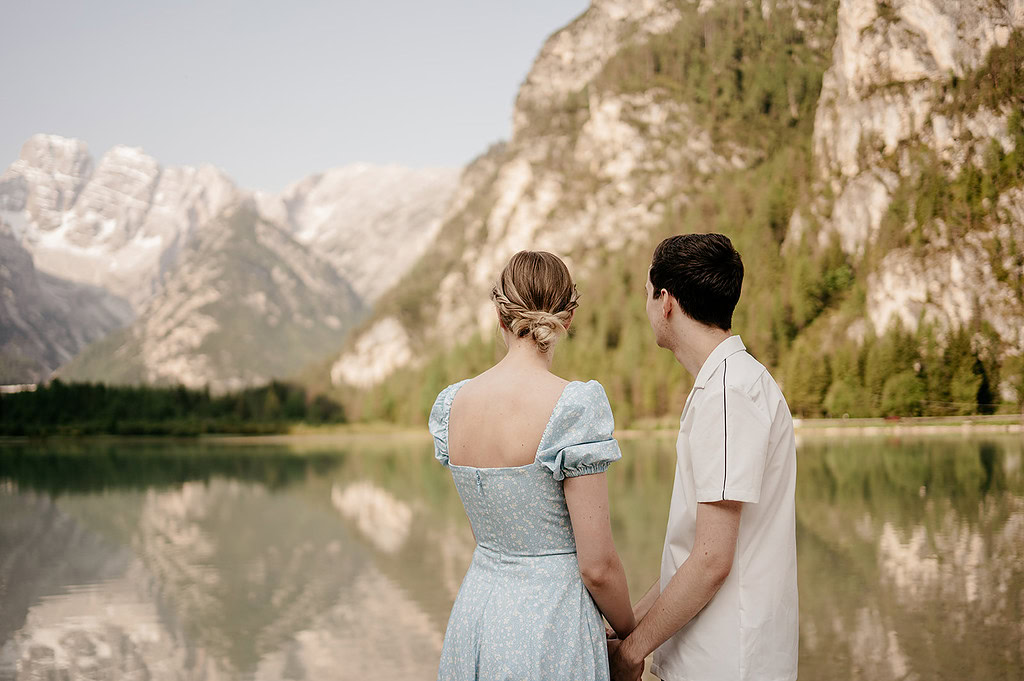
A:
[621,668]
[622,652]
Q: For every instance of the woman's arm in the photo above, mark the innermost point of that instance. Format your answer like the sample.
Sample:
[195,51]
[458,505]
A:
[600,567]
[641,607]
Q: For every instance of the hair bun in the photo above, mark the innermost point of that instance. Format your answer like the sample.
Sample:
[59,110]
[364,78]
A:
[546,327]
[535,297]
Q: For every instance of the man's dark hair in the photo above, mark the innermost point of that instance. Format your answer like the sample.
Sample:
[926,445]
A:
[703,272]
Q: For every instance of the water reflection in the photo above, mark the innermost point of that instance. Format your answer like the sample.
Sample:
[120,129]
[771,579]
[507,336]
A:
[224,578]
[380,517]
[169,562]
[67,467]
[71,600]
[911,558]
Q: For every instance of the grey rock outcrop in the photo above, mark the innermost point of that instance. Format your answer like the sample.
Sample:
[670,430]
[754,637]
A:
[885,98]
[47,320]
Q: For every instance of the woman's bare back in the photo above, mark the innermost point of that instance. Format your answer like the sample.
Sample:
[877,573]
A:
[498,418]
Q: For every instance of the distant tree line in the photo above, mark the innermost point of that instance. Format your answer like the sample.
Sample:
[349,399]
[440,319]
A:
[904,373]
[88,408]
[895,373]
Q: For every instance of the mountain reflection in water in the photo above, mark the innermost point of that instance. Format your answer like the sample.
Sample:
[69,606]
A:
[216,562]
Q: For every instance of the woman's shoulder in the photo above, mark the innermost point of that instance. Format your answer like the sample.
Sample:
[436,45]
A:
[443,401]
[452,387]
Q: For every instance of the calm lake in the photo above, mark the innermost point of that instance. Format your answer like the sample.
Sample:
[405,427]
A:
[200,561]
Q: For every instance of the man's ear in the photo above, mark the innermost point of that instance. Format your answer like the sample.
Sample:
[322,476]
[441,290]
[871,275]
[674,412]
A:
[666,303]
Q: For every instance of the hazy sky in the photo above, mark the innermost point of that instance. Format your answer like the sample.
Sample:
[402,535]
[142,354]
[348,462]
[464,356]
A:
[271,91]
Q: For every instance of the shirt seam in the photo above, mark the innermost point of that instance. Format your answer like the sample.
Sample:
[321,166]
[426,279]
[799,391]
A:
[725,420]
[745,391]
[742,348]
[741,663]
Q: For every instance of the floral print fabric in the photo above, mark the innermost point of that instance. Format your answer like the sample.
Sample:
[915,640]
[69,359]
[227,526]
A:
[523,611]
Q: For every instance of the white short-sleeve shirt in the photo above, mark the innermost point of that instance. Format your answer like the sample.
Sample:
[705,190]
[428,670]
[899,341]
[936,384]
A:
[736,442]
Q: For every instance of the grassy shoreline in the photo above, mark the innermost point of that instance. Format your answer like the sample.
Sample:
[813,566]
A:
[938,425]
[364,433]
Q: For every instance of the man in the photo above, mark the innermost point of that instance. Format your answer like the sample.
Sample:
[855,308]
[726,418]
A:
[725,608]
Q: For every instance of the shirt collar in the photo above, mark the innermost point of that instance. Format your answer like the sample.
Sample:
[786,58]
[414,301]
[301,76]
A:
[727,347]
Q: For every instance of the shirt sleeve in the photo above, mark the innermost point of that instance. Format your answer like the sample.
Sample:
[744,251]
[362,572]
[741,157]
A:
[729,445]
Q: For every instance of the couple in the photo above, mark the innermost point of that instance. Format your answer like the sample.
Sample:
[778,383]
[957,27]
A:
[528,452]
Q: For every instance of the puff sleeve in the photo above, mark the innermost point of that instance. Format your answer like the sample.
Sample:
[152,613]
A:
[438,421]
[578,440]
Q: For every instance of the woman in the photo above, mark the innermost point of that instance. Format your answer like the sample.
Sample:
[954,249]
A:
[528,451]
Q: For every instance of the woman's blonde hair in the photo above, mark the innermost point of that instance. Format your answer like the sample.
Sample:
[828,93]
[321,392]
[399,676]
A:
[535,297]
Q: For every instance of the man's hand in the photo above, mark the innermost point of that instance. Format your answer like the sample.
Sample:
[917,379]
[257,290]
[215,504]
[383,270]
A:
[621,668]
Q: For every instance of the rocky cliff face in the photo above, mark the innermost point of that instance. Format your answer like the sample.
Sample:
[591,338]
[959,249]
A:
[880,91]
[122,225]
[46,179]
[575,55]
[907,100]
[594,167]
[587,170]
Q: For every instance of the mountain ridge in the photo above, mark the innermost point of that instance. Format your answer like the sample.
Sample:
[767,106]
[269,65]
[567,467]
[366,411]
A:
[240,294]
[124,224]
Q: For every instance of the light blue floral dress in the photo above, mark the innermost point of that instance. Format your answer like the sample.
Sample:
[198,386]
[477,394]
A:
[523,612]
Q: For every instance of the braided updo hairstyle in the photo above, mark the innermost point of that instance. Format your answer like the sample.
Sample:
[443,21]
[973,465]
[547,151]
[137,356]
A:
[535,297]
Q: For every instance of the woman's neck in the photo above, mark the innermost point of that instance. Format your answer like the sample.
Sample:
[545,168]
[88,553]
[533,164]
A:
[523,354]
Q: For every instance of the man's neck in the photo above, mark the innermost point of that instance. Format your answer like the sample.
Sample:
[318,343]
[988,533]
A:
[696,345]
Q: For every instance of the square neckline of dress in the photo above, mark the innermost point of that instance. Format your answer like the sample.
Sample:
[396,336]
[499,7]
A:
[543,437]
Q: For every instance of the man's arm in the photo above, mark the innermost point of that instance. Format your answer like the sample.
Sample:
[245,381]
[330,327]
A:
[643,606]
[696,581]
